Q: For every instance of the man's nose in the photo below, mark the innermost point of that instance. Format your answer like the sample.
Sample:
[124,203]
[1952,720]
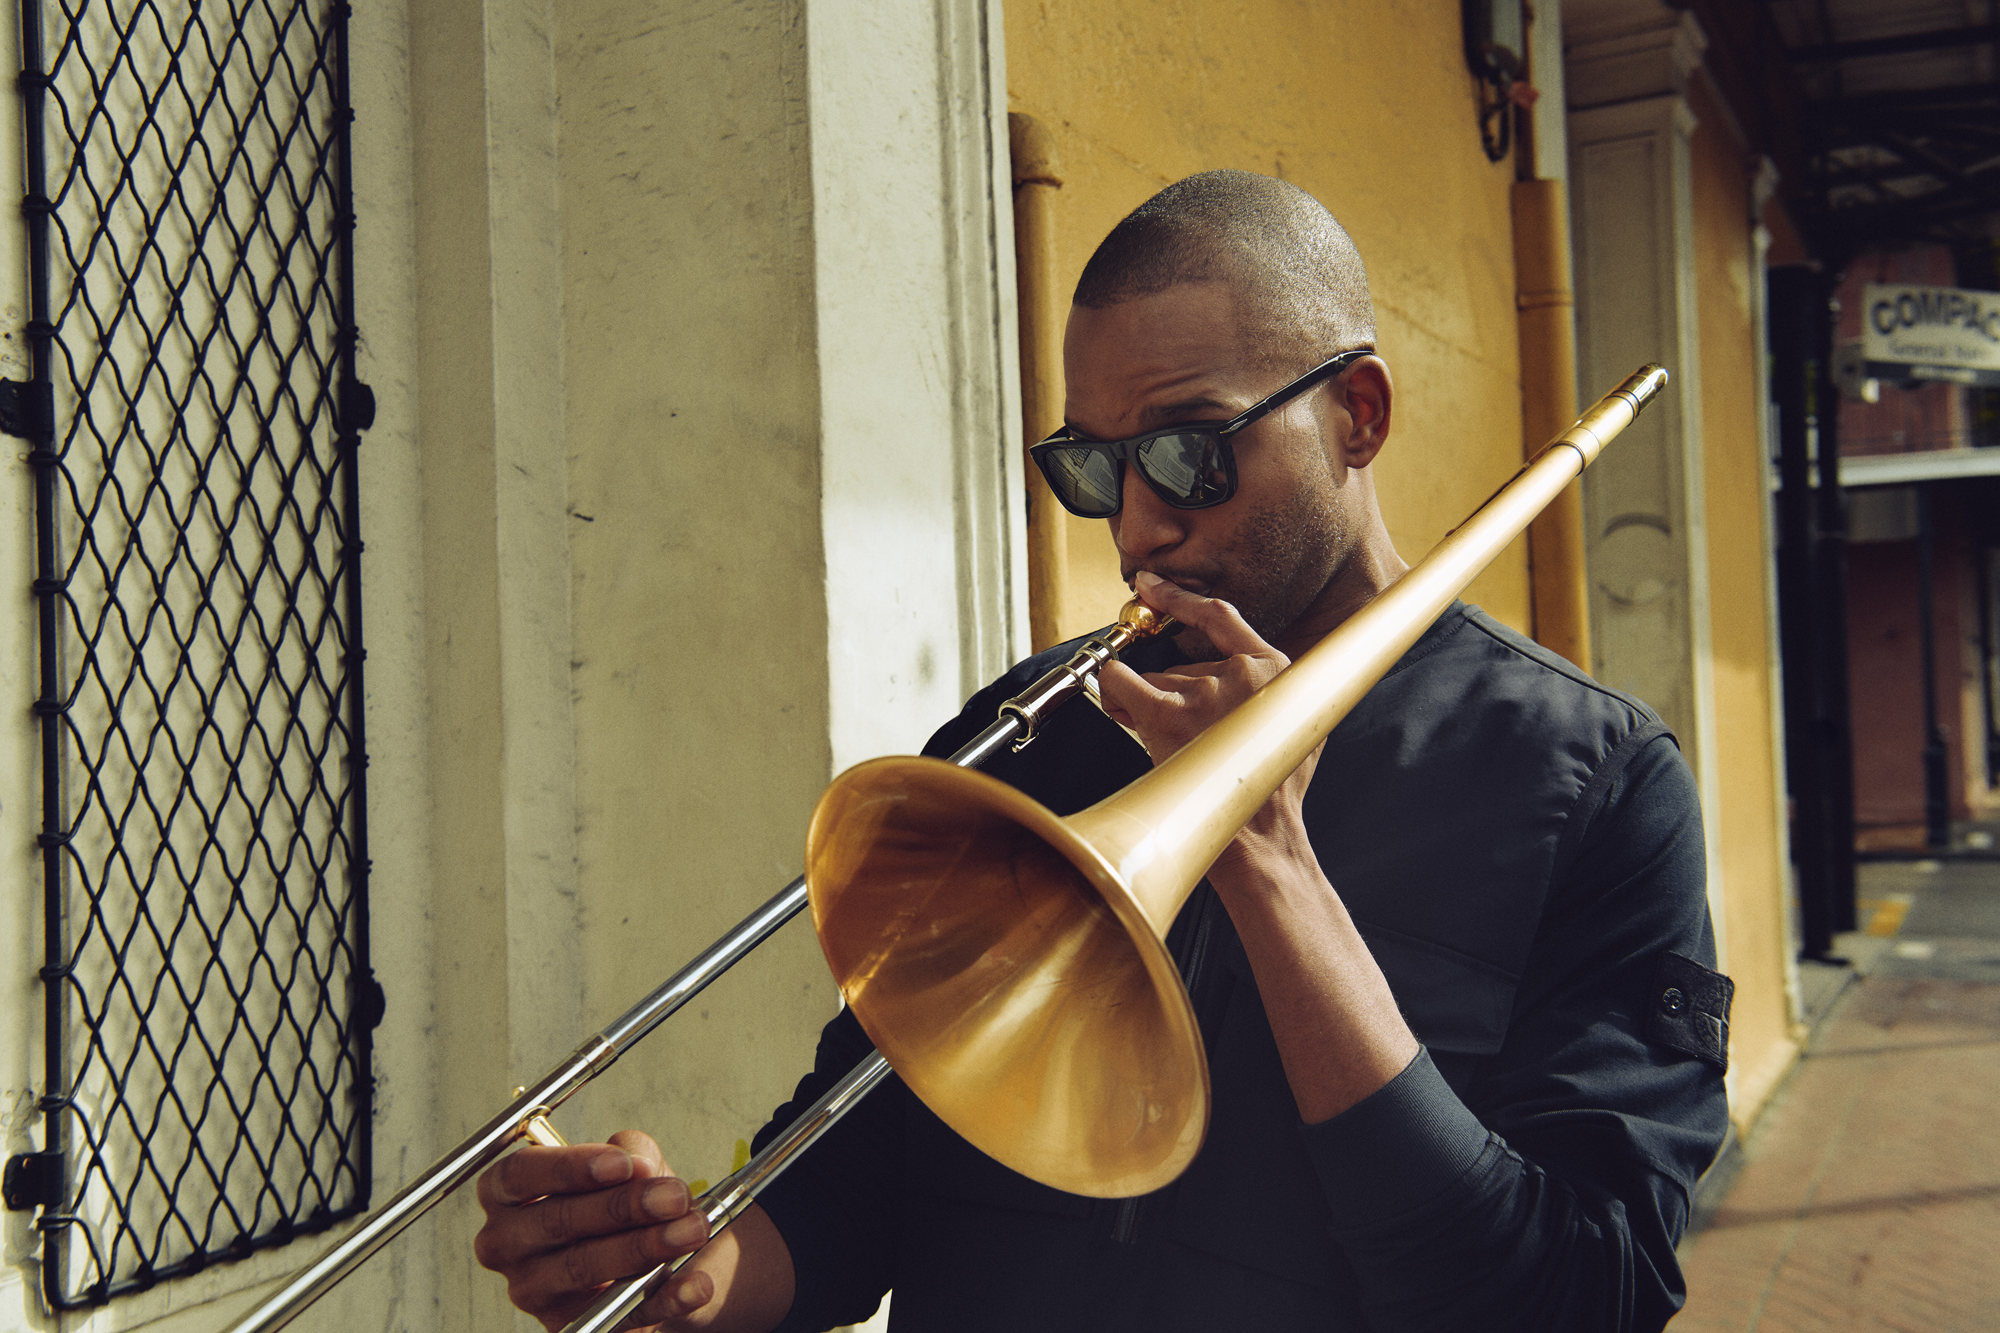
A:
[1145,524]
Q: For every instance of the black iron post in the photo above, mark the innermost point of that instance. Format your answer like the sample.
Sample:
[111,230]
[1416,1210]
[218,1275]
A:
[1829,614]
[1812,606]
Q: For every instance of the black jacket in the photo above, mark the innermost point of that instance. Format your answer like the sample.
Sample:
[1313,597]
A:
[1522,850]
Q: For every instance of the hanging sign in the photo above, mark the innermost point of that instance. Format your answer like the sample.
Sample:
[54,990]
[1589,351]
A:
[1931,333]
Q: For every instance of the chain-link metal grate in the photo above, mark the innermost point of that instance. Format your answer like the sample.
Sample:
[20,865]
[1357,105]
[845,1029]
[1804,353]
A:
[195,420]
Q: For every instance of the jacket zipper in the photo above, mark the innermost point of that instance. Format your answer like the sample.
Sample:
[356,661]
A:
[1125,1222]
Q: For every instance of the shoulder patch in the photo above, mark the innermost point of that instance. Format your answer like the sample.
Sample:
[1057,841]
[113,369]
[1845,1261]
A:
[1687,1009]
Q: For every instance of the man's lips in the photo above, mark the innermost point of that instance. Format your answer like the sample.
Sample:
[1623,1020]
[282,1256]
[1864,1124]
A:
[1185,582]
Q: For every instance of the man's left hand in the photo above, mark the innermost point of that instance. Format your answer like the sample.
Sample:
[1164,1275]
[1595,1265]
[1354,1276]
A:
[1338,1029]
[1170,708]
[1167,709]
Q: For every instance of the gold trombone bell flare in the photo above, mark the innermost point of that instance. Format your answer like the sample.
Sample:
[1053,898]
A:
[1053,1033]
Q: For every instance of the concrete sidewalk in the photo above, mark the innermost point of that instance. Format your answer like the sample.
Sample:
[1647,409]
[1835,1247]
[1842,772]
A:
[1868,1196]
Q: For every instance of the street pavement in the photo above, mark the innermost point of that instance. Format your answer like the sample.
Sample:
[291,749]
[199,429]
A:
[1868,1195]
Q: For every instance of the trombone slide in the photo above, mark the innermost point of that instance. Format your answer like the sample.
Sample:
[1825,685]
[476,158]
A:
[943,903]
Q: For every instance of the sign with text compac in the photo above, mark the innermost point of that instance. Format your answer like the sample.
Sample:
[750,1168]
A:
[1931,333]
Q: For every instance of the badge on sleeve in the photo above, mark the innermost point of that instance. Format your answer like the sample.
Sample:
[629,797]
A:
[1688,1009]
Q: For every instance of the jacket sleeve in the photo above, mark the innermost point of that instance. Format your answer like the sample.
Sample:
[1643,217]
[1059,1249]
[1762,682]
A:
[838,1205]
[1544,1188]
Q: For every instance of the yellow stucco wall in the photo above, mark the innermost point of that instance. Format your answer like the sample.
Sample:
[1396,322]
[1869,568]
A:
[1140,95]
[1762,1044]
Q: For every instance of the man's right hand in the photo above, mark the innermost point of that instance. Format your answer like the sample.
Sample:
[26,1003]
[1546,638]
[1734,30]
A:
[563,1222]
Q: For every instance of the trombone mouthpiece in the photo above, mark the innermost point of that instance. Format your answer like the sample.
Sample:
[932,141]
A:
[1644,386]
[1142,621]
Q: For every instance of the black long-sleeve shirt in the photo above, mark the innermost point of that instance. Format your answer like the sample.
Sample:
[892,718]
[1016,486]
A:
[1521,848]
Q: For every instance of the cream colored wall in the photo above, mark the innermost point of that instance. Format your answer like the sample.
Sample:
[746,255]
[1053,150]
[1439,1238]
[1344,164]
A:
[793,406]
[1763,1042]
[1140,95]
[699,573]
[789,406]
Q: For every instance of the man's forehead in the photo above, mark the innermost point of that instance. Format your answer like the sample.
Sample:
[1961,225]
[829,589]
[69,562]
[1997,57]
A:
[1156,354]
[1183,310]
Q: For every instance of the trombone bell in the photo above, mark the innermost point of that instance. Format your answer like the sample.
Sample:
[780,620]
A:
[1019,989]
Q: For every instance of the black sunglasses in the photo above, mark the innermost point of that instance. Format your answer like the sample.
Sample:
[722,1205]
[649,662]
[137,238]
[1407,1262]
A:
[1190,466]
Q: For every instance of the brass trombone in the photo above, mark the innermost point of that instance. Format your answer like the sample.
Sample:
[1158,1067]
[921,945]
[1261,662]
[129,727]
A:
[1010,964]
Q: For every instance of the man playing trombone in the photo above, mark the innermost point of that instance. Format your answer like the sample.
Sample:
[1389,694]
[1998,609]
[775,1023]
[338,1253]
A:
[1452,977]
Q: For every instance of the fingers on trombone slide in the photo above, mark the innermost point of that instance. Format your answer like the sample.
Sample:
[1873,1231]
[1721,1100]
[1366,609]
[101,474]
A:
[563,1221]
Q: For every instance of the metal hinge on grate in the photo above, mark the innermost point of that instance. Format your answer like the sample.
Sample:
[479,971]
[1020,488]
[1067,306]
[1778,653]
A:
[357,405]
[27,409]
[33,1180]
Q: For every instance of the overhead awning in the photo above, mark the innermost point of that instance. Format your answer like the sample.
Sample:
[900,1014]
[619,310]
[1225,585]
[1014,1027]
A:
[1930,465]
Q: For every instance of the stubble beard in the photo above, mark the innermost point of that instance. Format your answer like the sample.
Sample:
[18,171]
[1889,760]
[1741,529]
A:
[1283,557]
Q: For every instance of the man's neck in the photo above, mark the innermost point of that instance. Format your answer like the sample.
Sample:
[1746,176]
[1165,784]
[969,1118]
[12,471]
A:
[1365,575]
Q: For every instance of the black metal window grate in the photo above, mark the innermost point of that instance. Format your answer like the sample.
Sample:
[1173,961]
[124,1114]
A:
[194,420]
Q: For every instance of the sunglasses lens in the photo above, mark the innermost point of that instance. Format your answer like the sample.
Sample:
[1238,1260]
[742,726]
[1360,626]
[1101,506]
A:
[1083,479]
[1188,469]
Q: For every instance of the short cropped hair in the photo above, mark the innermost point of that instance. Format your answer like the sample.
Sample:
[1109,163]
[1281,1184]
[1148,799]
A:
[1295,269]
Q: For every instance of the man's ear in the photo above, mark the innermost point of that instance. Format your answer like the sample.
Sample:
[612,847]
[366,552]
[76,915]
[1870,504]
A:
[1369,397]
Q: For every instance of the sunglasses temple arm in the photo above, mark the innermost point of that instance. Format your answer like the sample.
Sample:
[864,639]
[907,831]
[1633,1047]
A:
[1311,379]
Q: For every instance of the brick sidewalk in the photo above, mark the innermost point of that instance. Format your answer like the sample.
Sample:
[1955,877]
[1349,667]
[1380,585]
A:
[1869,1195]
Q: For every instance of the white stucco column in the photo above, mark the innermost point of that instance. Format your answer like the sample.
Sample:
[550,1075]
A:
[914,281]
[1631,198]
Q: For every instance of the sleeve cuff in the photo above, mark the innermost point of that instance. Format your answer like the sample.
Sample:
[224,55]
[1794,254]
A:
[1396,1149]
